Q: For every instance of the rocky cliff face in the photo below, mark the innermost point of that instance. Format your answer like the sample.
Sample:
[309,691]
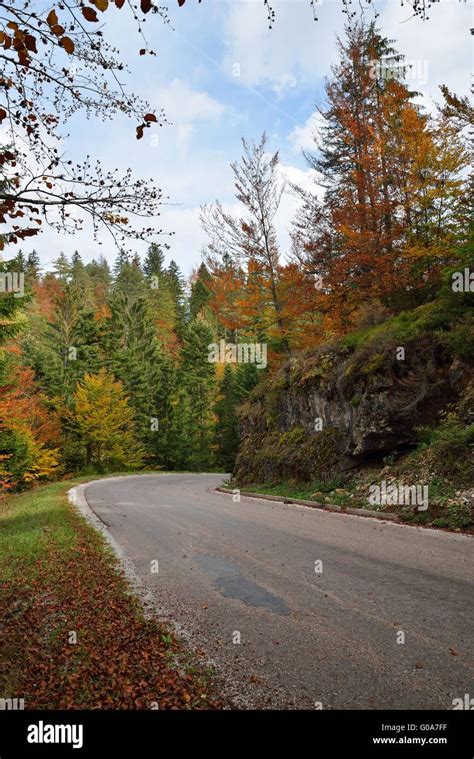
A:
[333,409]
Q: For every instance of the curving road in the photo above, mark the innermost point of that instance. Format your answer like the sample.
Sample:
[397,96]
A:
[332,639]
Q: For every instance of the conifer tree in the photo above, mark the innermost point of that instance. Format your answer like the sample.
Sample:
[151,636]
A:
[177,288]
[33,267]
[62,268]
[197,377]
[388,180]
[154,261]
[200,292]
[132,354]
[227,428]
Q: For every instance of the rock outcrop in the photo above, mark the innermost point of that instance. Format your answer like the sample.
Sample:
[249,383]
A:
[331,410]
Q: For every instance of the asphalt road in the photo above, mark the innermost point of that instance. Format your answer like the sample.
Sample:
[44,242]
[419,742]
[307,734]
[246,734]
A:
[231,572]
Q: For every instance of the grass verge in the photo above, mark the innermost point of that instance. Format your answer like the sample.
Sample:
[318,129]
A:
[449,508]
[73,635]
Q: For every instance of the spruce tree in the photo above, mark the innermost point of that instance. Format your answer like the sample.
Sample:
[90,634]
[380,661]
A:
[79,276]
[197,377]
[132,354]
[176,284]
[227,427]
[57,358]
[18,264]
[154,261]
[62,267]
[33,267]
[121,260]
[99,271]
[200,292]
[130,280]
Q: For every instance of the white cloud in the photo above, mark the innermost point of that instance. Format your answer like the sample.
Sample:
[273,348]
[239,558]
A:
[184,107]
[189,237]
[183,137]
[183,104]
[290,202]
[302,137]
[291,175]
[186,244]
[296,50]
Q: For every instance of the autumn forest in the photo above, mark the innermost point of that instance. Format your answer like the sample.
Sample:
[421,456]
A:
[106,369]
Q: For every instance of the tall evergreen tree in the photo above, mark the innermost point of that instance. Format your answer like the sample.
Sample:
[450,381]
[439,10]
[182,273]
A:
[79,275]
[227,427]
[62,268]
[176,283]
[122,259]
[18,263]
[99,271]
[200,292]
[33,267]
[196,387]
[58,362]
[154,261]
[132,354]
[130,280]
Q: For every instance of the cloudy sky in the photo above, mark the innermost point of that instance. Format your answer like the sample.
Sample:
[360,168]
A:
[221,74]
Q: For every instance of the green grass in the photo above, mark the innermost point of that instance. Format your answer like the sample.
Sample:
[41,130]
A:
[453,324]
[298,490]
[29,521]
[443,512]
[60,575]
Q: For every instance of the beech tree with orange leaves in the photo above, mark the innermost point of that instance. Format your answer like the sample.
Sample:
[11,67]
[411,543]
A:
[29,428]
[392,180]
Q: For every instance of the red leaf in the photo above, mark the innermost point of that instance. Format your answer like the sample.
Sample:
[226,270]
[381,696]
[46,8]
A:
[52,18]
[89,14]
[67,44]
[102,5]
[30,43]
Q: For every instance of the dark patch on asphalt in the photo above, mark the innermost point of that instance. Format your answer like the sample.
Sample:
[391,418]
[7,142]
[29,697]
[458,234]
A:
[232,584]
